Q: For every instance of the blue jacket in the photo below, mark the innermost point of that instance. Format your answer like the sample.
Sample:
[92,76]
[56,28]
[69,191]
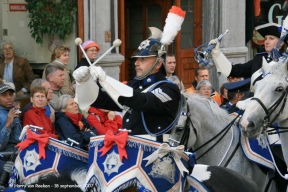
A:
[65,129]
[8,137]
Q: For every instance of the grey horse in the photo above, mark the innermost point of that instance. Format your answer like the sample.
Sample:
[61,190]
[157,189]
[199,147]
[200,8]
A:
[207,119]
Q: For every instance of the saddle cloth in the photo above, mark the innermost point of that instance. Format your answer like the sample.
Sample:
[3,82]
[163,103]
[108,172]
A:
[59,157]
[108,173]
[256,150]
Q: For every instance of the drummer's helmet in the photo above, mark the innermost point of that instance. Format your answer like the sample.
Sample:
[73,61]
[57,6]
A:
[147,48]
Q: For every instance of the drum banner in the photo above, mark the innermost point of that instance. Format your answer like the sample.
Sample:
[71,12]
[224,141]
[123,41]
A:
[256,150]
[109,173]
[59,157]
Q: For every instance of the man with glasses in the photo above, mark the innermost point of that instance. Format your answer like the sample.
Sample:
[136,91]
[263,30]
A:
[54,74]
[15,69]
[202,73]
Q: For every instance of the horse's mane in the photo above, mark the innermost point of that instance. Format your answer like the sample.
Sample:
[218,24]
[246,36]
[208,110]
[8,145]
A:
[217,111]
[279,68]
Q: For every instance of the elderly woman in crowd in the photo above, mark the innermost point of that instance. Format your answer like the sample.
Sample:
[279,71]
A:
[91,48]
[15,69]
[36,114]
[60,55]
[70,123]
[204,88]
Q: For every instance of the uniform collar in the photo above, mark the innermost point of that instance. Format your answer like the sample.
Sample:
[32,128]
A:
[148,80]
[151,79]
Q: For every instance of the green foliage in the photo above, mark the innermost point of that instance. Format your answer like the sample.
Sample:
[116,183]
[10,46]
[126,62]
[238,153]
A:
[51,17]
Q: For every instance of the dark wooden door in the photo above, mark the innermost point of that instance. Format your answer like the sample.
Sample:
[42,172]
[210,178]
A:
[187,39]
[139,15]
[135,16]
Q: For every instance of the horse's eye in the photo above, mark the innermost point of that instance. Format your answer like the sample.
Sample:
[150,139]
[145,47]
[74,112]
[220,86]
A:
[179,129]
[279,89]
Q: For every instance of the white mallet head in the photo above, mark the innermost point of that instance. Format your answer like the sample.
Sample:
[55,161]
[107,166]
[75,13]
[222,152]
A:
[117,43]
[78,41]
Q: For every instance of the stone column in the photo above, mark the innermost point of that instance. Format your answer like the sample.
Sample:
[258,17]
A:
[219,15]
[101,16]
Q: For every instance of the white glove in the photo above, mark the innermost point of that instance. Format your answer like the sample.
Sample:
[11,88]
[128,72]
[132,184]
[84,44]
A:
[81,74]
[216,50]
[97,73]
[242,104]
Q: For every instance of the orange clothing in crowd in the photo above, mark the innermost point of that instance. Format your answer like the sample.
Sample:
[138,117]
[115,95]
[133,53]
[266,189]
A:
[215,95]
[99,120]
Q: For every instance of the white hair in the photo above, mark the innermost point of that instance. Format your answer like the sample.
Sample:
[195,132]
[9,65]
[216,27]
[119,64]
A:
[203,83]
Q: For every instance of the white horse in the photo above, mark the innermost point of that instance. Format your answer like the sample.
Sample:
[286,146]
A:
[269,104]
[207,119]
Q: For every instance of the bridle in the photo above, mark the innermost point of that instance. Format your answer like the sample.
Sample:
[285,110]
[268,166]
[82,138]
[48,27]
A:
[273,128]
[270,110]
[186,132]
[185,136]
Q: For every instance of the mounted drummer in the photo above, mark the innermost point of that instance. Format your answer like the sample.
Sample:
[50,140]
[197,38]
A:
[154,104]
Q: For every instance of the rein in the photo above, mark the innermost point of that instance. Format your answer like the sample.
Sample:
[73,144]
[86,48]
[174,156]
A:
[226,129]
[185,138]
[268,123]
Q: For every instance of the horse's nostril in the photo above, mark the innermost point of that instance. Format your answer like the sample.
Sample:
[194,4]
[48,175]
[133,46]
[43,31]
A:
[251,124]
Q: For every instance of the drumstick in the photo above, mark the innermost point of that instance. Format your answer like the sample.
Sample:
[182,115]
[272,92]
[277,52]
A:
[78,42]
[116,43]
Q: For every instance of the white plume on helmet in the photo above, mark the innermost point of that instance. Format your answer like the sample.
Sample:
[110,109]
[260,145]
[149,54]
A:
[172,26]
[155,44]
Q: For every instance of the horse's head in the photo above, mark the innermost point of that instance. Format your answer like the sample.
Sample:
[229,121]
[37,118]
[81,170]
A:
[180,134]
[267,105]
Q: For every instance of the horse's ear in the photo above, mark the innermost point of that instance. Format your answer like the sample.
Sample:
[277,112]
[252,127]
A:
[265,65]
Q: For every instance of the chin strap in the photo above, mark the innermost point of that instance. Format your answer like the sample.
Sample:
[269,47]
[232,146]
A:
[148,72]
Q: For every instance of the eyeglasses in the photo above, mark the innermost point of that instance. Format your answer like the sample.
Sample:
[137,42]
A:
[40,96]
[9,48]
[94,51]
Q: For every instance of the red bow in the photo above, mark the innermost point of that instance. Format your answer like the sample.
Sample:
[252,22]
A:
[42,140]
[120,139]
